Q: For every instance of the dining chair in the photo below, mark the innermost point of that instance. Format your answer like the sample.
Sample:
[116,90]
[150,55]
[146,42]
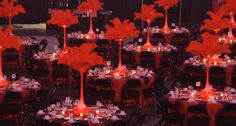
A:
[28,115]
[42,122]
[12,105]
[197,113]
[81,123]
[119,123]
[40,99]
[128,59]
[195,74]
[217,76]
[12,97]
[131,92]
[170,112]
[10,57]
[60,74]
[156,38]
[104,90]
[233,79]
[147,60]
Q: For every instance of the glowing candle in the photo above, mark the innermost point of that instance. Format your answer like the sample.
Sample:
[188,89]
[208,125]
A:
[63,112]
[215,63]
[148,49]
[107,71]
[209,99]
[204,60]
[133,72]
[192,94]
[81,115]
[222,95]
[97,112]
[139,47]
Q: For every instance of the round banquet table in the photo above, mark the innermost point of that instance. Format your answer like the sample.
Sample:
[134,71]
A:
[49,63]
[24,87]
[62,114]
[157,56]
[158,52]
[119,83]
[169,36]
[76,39]
[227,68]
[212,108]
[25,52]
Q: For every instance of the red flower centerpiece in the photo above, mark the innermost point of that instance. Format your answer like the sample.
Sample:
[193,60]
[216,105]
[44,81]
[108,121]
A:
[81,58]
[148,14]
[64,19]
[9,8]
[208,49]
[91,7]
[120,31]
[7,41]
[216,21]
[166,4]
[230,10]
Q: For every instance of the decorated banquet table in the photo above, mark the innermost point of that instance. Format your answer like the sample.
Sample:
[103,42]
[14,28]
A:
[169,35]
[77,38]
[28,47]
[29,44]
[214,102]
[23,86]
[118,80]
[64,113]
[158,51]
[227,63]
[48,59]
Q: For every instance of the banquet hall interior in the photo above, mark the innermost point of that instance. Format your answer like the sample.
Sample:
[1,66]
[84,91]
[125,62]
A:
[117,63]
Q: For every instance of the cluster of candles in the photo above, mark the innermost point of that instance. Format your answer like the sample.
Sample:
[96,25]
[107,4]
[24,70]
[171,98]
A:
[225,39]
[158,49]
[87,36]
[210,97]
[53,56]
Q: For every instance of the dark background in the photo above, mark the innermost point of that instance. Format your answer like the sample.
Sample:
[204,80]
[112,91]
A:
[193,11]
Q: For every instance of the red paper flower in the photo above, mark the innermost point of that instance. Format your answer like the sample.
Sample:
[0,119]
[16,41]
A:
[10,8]
[166,4]
[209,47]
[89,5]
[121,30]
[7,40]
[217,22]
[148,13]
[81,58]
[63,18]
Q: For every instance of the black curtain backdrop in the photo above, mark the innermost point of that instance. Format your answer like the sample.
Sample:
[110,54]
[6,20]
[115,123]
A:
[193,11]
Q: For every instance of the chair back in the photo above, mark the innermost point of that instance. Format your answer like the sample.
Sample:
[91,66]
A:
[197,109]
[42,122]
[12,97]
[119,123]
[133,84]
